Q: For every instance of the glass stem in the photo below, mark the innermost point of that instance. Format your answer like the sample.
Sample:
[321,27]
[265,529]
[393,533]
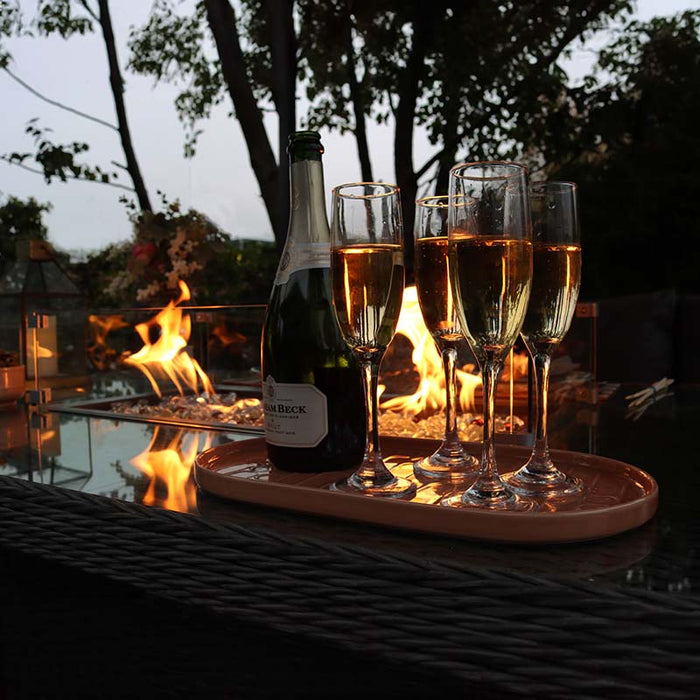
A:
[373,468]
[488,475]
[449,362]
[540,453]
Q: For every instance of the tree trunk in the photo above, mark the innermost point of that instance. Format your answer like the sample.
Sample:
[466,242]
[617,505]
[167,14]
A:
[117,84]
[284,70]
[358,105]
[222,22]
[404,115]
[447,160]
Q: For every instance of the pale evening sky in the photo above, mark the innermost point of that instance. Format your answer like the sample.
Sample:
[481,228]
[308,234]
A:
[218,181]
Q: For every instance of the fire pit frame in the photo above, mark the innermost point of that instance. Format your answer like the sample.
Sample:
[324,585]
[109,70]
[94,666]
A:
[102,408]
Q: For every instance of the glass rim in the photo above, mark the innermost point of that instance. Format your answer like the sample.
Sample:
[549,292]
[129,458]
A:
[389,189]
[517,168]
[557,186]
[448,199]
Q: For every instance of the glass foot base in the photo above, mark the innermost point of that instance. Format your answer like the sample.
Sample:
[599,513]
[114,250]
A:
[538,485]
[396,488]
[502,500]
[456,470]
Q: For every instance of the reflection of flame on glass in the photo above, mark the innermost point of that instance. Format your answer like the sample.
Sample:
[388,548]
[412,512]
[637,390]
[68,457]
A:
[429,397]
[515,365]
[45,437]
[226,337]
[168,464]
[42,352]
[42,346]
[167,355]
[100,354]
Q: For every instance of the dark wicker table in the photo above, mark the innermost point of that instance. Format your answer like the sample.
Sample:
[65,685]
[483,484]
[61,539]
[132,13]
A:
[107,598]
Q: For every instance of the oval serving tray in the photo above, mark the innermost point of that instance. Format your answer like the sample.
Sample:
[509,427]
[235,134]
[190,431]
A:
[618,496]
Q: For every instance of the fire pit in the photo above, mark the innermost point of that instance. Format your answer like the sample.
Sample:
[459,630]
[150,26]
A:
[224,409]
[412,382]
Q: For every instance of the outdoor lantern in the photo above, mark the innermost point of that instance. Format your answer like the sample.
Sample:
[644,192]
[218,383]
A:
[43,317]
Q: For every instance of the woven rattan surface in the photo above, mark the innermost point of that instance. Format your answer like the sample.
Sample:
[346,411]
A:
[515,632]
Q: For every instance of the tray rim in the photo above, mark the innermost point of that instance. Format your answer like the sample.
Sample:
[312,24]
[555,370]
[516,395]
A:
[541,527]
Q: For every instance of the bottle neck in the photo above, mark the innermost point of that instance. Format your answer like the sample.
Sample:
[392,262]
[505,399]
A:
[307,220]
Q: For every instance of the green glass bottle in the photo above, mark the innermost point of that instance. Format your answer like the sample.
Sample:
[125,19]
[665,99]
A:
[312,388]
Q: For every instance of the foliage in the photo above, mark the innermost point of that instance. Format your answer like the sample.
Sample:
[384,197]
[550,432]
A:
[178,49]
[490,83]
[469,73]
[242,274]
[67,18]
[20,220]
[94,275]
[173,245]
[629,138]
[171,48]
[10,24]
[58,160]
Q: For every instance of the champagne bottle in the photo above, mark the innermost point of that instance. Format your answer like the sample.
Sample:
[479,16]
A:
[312,387]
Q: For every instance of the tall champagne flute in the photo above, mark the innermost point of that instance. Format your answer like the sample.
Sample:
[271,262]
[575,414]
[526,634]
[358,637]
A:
[449,462]
[490,249]
[367,279]
[556,278]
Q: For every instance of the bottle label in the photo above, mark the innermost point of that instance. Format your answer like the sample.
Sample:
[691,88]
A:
[296,415]
[302,256]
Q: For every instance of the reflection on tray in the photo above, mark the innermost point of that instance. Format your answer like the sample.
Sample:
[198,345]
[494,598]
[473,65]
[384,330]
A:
[617,496]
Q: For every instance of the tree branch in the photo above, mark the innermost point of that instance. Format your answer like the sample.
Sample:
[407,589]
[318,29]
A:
[117,85]
[89,10]
[70,177]
[28,87]
[544,62]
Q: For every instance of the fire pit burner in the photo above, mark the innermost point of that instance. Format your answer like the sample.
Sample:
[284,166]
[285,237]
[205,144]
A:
[203,409]
[242,410]
[227,410]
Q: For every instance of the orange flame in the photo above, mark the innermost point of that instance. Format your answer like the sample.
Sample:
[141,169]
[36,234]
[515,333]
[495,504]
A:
[169,470]
[43,353]
[515,365]
[225,337]
[167,356]
[430,394]
[100,354]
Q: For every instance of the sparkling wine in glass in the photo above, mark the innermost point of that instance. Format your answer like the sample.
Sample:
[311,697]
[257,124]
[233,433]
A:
[449,462]
[490,252]
[556,278]
[367,279]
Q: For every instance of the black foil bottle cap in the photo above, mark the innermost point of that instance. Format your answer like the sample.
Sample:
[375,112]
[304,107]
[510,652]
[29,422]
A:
[304,145]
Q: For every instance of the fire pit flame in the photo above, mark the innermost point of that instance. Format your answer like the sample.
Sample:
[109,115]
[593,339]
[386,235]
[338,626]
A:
[168,356]
[429,397]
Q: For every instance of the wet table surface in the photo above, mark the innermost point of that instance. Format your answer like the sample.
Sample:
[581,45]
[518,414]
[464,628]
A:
[152,465]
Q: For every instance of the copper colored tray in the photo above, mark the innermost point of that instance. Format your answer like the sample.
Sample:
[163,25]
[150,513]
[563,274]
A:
[618,496]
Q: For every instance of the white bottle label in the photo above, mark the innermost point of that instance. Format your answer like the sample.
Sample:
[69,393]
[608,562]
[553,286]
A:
[296,415]
[302,256]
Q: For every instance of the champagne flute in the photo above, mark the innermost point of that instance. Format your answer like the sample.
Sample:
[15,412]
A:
[449,462]
[490,250]
[556,279]
[367,278]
